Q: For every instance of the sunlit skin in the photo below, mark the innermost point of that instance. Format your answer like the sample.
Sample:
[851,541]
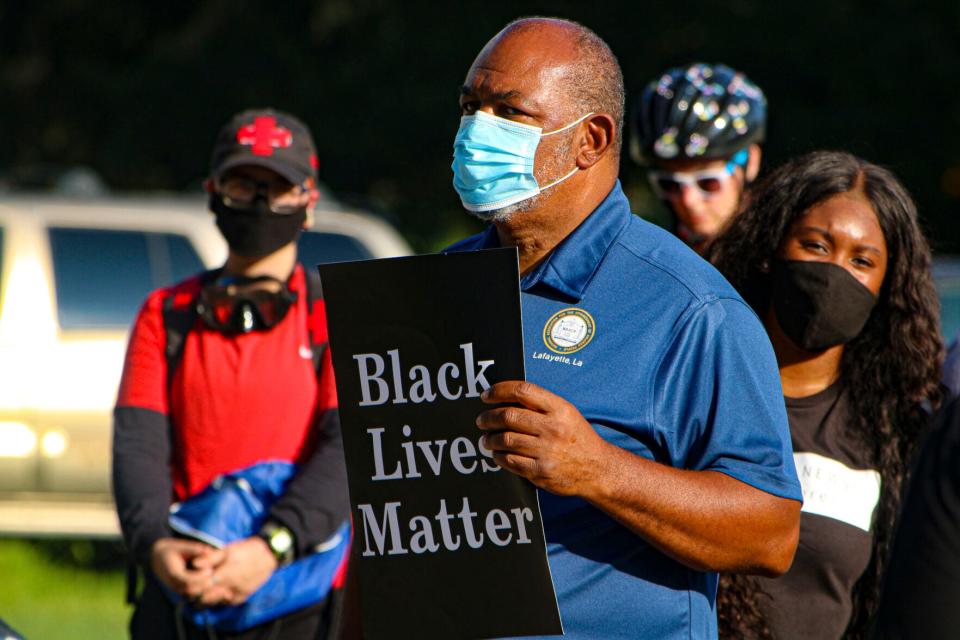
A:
[704,519]
[230,575]
[842,230]
[704,218]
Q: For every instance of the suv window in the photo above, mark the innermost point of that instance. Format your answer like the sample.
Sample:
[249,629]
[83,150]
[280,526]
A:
[320,247]
[102,276]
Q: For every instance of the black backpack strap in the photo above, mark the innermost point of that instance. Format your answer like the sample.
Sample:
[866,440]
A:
[314,293]
[177,323]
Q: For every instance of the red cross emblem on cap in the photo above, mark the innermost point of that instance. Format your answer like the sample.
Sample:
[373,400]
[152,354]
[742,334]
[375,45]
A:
[264,136]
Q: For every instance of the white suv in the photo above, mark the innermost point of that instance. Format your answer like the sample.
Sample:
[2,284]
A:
[72,277]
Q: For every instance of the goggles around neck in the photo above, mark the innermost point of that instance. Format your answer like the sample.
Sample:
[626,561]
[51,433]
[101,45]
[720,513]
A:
[708,183]
[241,304]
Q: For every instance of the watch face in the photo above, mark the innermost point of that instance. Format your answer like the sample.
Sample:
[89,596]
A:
[281,541]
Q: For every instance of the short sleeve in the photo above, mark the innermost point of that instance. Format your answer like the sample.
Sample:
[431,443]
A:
[144,380]
[719,397]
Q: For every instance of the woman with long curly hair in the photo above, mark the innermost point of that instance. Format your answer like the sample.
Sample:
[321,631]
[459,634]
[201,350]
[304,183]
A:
[831,257]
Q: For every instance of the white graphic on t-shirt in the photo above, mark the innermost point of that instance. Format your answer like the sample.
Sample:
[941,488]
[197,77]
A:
[832,489]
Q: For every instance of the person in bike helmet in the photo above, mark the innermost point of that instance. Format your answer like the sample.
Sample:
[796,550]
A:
[699,128]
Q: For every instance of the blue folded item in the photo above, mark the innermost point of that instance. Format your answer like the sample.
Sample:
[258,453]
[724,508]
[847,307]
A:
[233,507]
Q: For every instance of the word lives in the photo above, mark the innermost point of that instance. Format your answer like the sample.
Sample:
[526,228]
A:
[462,454]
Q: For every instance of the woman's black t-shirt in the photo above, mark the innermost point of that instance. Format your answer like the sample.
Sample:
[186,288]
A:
[840,494]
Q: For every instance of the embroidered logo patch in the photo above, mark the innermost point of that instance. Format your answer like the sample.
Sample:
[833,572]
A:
[264,136]
[569,330]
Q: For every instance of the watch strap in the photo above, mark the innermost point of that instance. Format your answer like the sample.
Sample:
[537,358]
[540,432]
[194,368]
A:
[280,541]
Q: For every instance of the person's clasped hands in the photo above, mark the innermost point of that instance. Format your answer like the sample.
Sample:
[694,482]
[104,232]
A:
[209,576]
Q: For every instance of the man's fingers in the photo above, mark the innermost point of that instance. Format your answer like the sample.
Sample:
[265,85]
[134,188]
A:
[210,558]
[511,419]
[176,568]
[195,586]
[190,548]
[520,392]
[196,582]
[236,597]
[520,465]
[214,595]
[511,442]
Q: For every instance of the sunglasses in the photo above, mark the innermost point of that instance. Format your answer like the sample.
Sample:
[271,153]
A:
[708,183]
[670,185]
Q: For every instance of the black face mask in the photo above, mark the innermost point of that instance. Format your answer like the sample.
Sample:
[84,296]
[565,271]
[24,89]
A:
[256,231]
[818,304]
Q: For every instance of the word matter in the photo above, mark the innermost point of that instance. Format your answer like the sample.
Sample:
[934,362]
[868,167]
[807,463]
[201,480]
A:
[388,536]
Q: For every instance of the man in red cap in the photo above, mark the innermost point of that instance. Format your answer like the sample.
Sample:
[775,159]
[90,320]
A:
[228,371]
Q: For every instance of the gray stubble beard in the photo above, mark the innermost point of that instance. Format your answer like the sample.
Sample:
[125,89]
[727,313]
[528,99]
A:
[505,214]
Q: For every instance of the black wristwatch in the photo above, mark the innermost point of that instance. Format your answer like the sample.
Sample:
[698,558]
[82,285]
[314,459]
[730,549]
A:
[280,540]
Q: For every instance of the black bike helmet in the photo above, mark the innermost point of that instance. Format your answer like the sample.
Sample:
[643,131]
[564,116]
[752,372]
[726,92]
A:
[701,111]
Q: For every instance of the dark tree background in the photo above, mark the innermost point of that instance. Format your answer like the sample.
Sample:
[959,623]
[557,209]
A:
[137,90]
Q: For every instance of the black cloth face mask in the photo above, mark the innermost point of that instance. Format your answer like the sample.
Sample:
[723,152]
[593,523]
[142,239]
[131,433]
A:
[256,231]
[818,304]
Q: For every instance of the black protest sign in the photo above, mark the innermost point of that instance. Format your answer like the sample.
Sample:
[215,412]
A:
[446,543]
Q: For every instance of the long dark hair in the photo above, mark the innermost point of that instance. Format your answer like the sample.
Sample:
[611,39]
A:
[891,371]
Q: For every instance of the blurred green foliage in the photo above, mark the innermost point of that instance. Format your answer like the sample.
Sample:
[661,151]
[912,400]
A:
[137,91]
[67,589]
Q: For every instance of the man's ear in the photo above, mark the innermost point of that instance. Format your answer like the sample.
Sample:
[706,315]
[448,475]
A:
[598,132]
[753,162]
[313,196]
[312,191]
[209,186]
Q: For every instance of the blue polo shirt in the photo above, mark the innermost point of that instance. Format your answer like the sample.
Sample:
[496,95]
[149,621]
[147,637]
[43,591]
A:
[665,360]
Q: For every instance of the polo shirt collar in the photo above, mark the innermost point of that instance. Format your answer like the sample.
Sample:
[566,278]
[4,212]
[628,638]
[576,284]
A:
[570,267]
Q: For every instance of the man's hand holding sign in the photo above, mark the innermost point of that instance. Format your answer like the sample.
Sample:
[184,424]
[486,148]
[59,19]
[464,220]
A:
[542,437]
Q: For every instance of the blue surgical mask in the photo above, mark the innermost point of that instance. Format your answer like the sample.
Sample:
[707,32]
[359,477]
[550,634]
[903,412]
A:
[493,161]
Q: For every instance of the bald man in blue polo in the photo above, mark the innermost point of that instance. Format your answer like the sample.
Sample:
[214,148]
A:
[652,418]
